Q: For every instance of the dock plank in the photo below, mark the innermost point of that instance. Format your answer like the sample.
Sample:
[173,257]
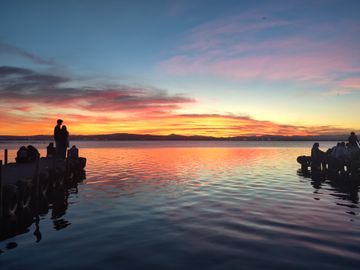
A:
[13,172]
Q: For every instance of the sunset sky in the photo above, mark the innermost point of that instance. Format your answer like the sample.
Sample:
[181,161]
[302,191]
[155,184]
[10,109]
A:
[221,68]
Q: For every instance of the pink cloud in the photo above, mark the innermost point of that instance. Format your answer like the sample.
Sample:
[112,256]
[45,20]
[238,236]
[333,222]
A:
[345,87]
[241,48]
[353,83]
[309,67]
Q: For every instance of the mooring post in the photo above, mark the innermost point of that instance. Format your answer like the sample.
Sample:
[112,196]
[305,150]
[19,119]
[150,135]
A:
[67,165]
[1,198]
[53,162]
[5,156]
[37,177]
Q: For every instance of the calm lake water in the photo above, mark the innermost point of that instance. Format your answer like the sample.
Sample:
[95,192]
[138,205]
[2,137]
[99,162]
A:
[193,205]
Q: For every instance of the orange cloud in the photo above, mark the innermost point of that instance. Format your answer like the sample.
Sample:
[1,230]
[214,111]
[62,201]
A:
[229,125]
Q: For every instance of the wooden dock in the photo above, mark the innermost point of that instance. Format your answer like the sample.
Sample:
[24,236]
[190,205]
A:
[23,183]
[344,168]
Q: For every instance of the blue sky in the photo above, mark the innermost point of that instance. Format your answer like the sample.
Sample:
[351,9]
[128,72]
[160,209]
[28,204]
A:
[288,62]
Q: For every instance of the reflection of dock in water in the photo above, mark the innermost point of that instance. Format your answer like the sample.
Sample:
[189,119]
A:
[343,176]
[30,190]
[343,187]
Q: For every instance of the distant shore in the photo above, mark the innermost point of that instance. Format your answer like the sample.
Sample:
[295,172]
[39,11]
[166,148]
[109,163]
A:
[174,137]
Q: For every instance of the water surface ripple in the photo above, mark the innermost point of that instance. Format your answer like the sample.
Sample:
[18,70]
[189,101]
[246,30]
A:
[196,207]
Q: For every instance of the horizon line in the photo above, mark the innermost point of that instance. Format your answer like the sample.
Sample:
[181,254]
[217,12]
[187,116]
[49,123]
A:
[179,135]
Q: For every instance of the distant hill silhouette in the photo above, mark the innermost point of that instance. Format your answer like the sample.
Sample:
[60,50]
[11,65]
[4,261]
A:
[174,137]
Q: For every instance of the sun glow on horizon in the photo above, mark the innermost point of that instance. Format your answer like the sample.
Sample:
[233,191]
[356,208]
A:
[188,125]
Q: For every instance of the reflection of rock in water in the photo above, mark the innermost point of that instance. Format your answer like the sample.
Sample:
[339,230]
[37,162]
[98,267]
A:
[37,232]
[55,200]
[344,188]
[61,224]
[59,204]
[11,245]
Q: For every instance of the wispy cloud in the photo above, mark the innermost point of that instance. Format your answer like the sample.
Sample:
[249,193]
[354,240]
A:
[345,87]
[255,47]
[14,50]
[233,26]
[352,83]
[308,67]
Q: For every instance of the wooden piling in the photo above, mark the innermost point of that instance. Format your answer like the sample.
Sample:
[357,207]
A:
[37,178]
[1,197]
[5,156]
[67,165]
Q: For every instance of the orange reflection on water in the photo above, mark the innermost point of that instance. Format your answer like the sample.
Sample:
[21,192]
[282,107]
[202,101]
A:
[129,168]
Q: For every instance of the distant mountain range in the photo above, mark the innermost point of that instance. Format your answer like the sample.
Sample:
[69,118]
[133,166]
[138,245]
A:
[174,137]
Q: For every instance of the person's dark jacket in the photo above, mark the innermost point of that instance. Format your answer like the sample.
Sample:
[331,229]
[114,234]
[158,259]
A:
[57,131]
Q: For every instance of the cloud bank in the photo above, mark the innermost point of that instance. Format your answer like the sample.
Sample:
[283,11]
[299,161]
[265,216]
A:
[31,102]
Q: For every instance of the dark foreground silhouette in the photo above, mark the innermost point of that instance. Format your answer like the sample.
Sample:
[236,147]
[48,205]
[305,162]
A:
[342,159]
[338,167]
[345,189]
[54,199]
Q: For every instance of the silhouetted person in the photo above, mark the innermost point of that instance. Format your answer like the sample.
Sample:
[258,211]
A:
[317,156]
[334,150]
[22,155]
[73,152]
[50,150]
[63,142]
[33,153]
[342,152]
[57,131]
[353,140]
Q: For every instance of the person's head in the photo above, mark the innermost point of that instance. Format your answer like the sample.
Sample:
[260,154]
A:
[352,133]
[338,144]
[74,146]
[23,148]
[59,122]
[342,144]
[64,128]
[315,145]
[51,144]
